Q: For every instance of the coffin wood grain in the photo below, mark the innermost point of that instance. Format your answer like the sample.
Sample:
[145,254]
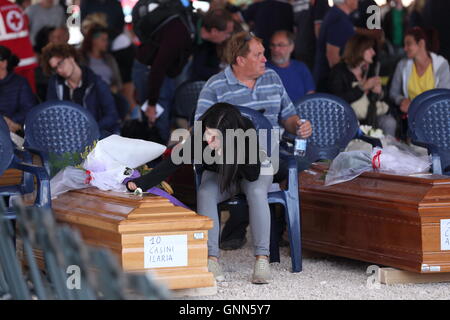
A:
[10,177]
[379,218]
[120,221]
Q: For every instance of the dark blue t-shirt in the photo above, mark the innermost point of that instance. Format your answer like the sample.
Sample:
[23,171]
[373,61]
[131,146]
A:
[336,29]
[267,17]
[296,78]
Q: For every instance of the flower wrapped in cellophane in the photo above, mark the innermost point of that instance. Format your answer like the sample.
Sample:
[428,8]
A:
[391,159]
[107,165]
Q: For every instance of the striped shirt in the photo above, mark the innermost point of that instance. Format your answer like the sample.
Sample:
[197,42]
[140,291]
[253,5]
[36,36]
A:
[268,94]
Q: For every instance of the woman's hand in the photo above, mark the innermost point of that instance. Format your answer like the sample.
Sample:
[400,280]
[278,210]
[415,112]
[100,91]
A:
[404,105]
[378,89]
[131,185]
[151,114]
[371,83]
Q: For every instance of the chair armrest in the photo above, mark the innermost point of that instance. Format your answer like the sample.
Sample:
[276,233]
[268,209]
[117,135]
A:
[43,155]
[435,157]
[375,142]
[291,161]
[43,197]
[429,146]
[21,155]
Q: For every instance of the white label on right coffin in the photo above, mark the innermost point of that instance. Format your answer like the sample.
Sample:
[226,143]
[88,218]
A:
[445,234]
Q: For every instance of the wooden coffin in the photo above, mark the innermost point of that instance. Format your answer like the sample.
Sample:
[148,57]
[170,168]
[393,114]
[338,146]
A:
[11,177]
[14,176]
[145,233]
[397,221]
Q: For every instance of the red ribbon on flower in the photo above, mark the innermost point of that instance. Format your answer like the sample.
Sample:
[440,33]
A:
[88,178]
[376,163]
[167,153]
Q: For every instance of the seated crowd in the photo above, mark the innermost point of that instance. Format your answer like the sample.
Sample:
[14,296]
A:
[112,75]
[346,62]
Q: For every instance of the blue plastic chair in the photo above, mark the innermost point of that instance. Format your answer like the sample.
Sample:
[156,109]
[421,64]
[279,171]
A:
[431,130]
[60,127]
[334,125]
[288,198]
[185,99]
[416,104]
[25,155]
[9,160]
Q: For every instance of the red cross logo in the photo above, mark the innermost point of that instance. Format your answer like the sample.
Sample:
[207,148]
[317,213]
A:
[14,20]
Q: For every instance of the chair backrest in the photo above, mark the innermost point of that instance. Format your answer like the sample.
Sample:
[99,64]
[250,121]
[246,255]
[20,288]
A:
[419,101]
[6,151]
[333,121]
[186,97]
[60,127]
[261,123]
[432,125]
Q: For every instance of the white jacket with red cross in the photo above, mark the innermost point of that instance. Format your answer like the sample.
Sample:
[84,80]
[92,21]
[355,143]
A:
[14,34]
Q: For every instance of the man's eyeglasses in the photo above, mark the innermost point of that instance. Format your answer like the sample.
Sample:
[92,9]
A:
[58,65]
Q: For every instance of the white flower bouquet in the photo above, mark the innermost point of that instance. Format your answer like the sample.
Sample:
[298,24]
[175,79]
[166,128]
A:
[111,161]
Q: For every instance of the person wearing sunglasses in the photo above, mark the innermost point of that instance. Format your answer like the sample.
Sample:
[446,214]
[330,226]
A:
[79,84]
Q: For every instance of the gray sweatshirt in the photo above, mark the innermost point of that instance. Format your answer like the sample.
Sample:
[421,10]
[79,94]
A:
[40,17]
[399,85]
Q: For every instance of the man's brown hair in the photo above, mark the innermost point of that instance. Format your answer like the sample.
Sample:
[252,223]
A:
[57,50]
[238,46]
[354,49]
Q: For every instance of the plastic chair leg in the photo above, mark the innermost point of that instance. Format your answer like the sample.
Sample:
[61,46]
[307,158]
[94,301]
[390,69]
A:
[274,237]
[293,225]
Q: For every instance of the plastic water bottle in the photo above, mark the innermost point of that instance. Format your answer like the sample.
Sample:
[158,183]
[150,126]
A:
[300,145]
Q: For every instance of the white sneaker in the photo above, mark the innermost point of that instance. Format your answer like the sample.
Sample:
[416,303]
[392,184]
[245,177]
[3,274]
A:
[261,272]
[214,267]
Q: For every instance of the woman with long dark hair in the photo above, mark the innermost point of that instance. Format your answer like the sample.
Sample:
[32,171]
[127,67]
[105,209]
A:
[16,96]
[224,178]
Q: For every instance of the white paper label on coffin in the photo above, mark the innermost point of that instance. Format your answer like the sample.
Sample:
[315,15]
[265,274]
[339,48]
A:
[165,251]
[445,234]
[115,151]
